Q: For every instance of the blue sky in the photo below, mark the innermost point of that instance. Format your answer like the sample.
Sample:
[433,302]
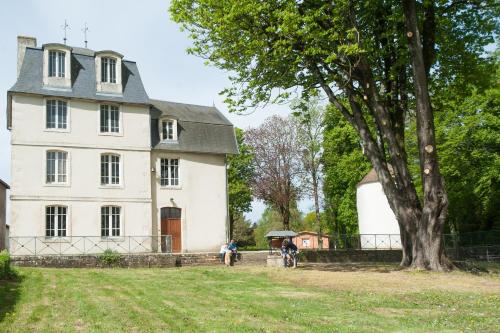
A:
[143,32]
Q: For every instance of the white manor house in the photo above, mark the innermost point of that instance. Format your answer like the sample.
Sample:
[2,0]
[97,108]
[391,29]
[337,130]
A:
[97,164]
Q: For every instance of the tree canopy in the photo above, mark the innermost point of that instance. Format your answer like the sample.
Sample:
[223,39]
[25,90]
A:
[374,60]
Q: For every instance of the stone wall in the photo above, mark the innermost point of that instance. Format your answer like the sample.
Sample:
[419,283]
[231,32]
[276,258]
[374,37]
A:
[138,260]
[244,258]
[350,256]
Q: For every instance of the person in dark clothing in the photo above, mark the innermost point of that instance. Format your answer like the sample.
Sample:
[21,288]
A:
[233,247]
[288,251]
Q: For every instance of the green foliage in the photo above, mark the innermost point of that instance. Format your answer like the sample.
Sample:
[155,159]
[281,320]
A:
[6,272]
[467,120]
[271,220]
[243,232]
[343,166]
[110,257]
[468,130]
[309,223]
[239,175]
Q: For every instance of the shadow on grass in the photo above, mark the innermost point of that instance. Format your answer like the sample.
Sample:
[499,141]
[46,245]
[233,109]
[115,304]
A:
[350,267]
[10,291]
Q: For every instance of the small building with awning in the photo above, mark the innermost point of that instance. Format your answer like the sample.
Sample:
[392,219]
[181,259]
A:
[275,238]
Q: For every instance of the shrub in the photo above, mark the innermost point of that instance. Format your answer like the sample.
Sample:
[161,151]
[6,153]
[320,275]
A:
[6,271]
[110,257]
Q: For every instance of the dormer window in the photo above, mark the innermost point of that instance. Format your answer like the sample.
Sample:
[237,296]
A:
[168,130]
[57,63]
[56,66]
[108,70]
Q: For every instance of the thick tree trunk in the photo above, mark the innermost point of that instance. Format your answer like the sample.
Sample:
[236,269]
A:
[231,226]
[428,248]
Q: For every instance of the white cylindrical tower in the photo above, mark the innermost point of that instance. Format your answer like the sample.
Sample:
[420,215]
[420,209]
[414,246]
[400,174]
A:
[378,226]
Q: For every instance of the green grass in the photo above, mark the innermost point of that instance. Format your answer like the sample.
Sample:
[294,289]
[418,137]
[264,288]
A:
[245,299]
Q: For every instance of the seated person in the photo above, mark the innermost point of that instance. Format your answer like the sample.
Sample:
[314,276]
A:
[233,248]
[222,252]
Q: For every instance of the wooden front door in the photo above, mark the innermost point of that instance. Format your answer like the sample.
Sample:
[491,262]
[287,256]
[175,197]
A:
[171,225]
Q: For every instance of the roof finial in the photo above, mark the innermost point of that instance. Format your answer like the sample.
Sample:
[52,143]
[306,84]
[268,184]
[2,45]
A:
[85,30]
[65,27]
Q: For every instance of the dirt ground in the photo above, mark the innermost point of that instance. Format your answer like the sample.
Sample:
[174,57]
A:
[382,278]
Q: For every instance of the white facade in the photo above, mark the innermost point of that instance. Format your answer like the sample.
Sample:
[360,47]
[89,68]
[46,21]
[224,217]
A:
[204,209]
[134,187]
[378,227]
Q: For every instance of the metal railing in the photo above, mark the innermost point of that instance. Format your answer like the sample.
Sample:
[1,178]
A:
[393,241]
[366,242]
[87,245]
[471,239]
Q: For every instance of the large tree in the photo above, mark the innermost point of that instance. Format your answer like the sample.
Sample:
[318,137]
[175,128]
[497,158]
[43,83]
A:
[239,177]
[373,60]
[277,163]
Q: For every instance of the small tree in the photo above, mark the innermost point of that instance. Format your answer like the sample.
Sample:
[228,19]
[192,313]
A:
[239,176]
[277,163]
[309,115]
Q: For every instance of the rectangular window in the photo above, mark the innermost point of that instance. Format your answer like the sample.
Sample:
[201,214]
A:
[169,172]
[56,167]
[110,169]
[56,114]
[57,63]
[55,221]
[110,119]
[110,221]
[108,70]
[168,130]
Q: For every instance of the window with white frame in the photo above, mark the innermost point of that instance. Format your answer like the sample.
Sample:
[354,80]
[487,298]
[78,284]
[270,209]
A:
[57,167]
[110,169]
[56,114]
[108,70]
[110,221]
[110,119]
[55,221]
[57,63]
[169,172]
[168,129]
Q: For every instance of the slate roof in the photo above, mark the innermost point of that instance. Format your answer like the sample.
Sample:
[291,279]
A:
[372,177]
[83,79]
[201,129]
[4,184]
[281,233]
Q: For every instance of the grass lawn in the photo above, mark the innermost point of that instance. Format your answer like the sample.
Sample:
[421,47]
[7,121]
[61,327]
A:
[249,299]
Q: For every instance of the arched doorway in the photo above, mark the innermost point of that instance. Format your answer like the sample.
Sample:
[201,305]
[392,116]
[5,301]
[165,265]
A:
[171,225]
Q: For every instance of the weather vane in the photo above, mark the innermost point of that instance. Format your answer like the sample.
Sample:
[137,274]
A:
[65,27]
[85,30]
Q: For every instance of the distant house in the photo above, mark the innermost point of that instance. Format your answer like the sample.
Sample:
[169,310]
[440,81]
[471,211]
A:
[3,206]
[310,240]
[378,227]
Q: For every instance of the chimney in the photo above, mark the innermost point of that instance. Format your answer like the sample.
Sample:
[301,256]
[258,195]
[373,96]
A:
[22,43]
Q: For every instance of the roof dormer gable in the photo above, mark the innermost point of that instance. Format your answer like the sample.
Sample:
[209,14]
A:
[56,65]
[108,69]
